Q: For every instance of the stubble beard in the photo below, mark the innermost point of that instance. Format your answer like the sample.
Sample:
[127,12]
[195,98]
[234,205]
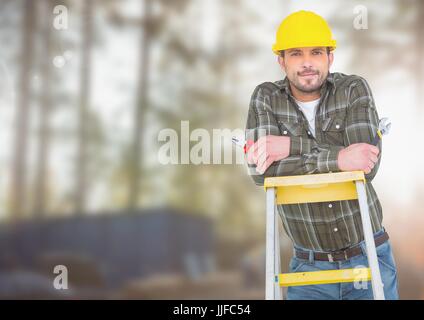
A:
[309,87]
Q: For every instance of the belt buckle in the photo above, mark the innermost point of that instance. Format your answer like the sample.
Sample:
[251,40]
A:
[331,258]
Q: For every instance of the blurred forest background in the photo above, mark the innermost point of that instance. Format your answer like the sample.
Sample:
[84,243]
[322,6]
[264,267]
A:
[86,86]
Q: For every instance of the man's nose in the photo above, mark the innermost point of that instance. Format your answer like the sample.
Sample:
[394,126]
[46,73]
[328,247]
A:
[306,63]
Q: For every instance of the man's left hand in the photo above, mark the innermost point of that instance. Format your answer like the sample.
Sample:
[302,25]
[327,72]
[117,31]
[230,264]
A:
[268,149]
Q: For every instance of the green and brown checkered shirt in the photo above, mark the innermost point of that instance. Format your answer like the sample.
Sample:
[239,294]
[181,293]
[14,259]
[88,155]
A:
[346,114]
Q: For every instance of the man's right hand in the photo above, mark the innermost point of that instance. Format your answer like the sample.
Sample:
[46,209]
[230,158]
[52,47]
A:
[358,156]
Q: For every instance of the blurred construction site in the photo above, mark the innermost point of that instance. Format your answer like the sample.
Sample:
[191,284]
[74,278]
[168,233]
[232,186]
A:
[149,254]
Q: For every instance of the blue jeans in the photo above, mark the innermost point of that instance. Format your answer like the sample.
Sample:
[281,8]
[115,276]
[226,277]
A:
[350,290]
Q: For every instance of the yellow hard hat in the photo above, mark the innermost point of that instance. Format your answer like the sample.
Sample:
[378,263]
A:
[303,29]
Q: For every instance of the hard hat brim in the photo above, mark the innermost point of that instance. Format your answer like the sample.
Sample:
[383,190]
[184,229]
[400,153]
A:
[332,45]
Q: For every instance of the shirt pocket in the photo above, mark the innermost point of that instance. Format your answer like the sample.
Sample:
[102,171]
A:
[289,128]
[333,129]
[265,125]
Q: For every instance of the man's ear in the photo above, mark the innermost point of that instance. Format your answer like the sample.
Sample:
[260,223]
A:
[330,59]
[282,63]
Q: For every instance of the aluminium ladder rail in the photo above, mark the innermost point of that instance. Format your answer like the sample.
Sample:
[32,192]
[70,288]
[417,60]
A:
[317,188]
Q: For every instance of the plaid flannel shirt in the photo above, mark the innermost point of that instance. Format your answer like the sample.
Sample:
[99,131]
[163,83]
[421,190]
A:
[346,114]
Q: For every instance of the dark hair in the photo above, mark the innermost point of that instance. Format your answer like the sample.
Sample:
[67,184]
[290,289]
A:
[282,52]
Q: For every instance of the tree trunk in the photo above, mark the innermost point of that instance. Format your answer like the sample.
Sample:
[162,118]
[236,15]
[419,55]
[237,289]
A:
[45,109]
[140,109]
[22,113]
[87,34]
[419,67]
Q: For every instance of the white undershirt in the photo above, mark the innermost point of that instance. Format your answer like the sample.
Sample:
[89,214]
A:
[309,109]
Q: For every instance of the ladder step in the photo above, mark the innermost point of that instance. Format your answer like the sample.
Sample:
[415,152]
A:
[324,277]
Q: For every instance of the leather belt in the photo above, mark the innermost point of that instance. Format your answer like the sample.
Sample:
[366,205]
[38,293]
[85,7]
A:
[343,254]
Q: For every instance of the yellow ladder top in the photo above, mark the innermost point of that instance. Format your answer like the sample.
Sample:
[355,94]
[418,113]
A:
[311,188]
[311,179]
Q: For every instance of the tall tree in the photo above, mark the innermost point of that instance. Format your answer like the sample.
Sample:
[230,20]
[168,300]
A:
[20,144]
[85,88]
[141,106]
[45,110]
[419,40]
[153,23]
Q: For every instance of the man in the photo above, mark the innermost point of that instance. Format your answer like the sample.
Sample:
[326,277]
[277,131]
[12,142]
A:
[315,121]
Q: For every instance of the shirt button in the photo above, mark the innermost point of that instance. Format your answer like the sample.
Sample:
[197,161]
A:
[335,229]
[285,132]
[330,205]
[337,126]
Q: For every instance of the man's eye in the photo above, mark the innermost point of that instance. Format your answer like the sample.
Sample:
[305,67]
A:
[295,54]
[317,53]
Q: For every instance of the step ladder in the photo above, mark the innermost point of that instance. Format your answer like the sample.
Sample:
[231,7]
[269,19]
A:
[317,188]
